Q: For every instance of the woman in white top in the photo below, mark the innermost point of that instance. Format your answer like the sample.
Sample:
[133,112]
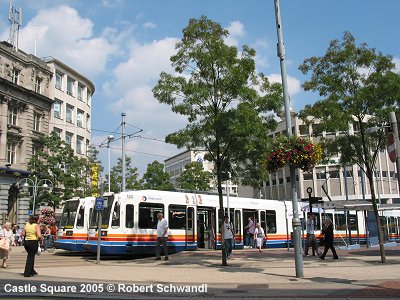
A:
[259,236]
[6,233]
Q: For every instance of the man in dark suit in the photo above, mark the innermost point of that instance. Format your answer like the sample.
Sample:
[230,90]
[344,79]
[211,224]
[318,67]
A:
[328,232]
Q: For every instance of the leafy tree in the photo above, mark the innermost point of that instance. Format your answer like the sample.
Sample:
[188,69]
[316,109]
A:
[357,86]
[155,178]
[194,178]
[131,176]
[56,161]
[225,101]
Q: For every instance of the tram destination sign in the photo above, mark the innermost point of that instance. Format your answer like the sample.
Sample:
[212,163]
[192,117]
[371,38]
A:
[99,204]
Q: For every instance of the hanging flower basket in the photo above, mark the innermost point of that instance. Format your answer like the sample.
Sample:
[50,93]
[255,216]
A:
[293,151]
[47,216]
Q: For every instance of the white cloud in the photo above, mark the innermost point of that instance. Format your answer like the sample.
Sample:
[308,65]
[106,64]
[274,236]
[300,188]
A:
[236,31]
[293,83]
[65,35]
[149,25]
[130,88]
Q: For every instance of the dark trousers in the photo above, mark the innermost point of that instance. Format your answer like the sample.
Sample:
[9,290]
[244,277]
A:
[228,246]
[313,242]
[328,246]
[163,241]
[31,247]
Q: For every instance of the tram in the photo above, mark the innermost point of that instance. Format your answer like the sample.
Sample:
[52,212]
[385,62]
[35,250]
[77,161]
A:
[129,222]
[74,224]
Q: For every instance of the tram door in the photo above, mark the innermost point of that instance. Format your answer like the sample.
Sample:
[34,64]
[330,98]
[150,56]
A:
[263,220]
[190,229]
[205,228]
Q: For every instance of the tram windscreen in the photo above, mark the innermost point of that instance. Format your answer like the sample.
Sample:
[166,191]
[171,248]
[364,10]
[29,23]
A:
[105,214]
[69,213]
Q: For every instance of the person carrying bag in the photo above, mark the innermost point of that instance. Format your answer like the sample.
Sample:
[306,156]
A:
[32,237]
[6,241]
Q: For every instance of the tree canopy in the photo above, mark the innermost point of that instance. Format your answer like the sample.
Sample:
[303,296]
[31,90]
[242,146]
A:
[358,87]
[195,178]
[155,178]
[132,181]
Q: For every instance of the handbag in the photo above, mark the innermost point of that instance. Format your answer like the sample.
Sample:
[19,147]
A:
[4,244]
[39,250]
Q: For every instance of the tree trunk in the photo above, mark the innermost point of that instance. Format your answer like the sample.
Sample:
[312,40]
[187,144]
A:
[373,200]
[221,215]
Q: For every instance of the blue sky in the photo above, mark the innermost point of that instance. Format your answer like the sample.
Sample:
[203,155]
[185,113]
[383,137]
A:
[123,45]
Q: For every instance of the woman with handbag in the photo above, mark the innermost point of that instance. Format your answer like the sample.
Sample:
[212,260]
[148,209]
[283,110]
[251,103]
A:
[259,236]
[6,236]
[32,237]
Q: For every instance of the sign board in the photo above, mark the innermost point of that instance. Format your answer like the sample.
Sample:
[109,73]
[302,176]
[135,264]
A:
[30,212]
[391,147]
[99,204]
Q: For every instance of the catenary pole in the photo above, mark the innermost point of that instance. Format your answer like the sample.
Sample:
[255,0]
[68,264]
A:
[123,151]
[296,223]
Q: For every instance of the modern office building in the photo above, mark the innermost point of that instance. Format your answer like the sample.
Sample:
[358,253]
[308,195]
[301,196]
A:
[341,182]
[175,165]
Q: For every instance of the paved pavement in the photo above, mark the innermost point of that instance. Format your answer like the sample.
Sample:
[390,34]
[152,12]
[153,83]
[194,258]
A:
[270,274]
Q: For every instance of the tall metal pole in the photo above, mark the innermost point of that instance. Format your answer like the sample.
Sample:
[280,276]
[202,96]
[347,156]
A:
[109,139]
[395,129]
[123,151]
[296,223]
[100,222]
[34,194]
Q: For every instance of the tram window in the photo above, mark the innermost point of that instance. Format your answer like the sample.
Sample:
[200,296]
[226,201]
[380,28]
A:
[353,222]
[190,218]
[340,221]
[129,213]
[177,217]
[238,222]
[80,220]
[263,221]
[148,214]
[271,221]
[116,214]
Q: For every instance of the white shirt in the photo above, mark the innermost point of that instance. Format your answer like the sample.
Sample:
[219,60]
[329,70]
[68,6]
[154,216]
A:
[259,232]
[228,231]
[161,225]
[310,226]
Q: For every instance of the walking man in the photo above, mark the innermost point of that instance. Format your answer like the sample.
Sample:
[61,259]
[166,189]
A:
[249,233]
[162,236]
[328,232]
[311,236]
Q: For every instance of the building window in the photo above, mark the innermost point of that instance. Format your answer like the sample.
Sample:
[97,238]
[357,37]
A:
[57,109]
[88,97]
[79,144]
[12,115]
[59,80]
[79,118]
[308,176]
[68,138]
[87,147]
[69,112]
[87,122]
[36,121]
[38,85]
[11,152]
[15,75]
[58,131]
[80,92]
[148,214]
[70,86]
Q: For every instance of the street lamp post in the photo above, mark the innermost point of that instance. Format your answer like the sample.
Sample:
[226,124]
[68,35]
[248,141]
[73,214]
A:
[35,185]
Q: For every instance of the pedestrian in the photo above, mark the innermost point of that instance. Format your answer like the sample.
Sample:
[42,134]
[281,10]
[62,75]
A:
[32,236]
[19,236]
[228,235]
[162,236]
[249,233]
[53,234]
[310,227]
[7,234]
[259,236]
[328,233]
[46,236]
